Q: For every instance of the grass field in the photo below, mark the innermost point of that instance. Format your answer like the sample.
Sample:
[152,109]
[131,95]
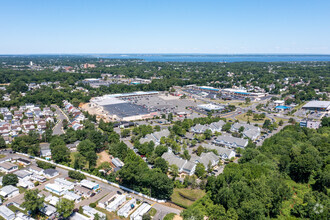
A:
[2,156]
[245,117]
[186,197]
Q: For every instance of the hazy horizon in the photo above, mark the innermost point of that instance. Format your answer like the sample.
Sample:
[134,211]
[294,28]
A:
[163,27]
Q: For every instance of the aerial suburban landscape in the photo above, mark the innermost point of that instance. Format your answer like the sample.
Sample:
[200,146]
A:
[164,110]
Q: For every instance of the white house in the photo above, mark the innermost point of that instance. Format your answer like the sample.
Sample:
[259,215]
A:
[25,184]
[91,212]
[63,182]
[120,199]
[55,188]
[22,174]
[7,167]
[125,210]
[48,210]
[53,200]
[6,213]
[36,170]
[9,191]
[139,212]
[38,178]
[72,196]
[89,184]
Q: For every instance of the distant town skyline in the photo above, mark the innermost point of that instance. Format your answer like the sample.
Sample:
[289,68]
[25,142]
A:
[165,27]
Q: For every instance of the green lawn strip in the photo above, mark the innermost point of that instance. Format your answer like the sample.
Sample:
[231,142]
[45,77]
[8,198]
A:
[110,215]
[152,212]
[169,216]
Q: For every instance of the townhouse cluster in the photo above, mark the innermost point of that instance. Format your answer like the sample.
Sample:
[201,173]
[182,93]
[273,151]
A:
[21,120]
[224,144]
[77,116]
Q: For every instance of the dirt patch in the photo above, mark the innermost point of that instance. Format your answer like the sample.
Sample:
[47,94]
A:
[95,110]
[103,157]
[177,217]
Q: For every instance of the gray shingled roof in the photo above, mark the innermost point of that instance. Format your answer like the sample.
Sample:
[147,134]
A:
[172,159]
[232,140]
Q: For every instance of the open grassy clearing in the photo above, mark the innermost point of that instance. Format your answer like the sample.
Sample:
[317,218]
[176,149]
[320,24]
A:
[186,197]
[244,117]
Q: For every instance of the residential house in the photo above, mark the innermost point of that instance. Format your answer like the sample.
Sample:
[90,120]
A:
[25,184]
[225,153]
[50,173]
[36,170]
[115,203]
[117,162]
[63,182]
[72,196]
[139,212]
[6,213]
[38,178]
[206,159]
[7,167]
[213,127]
[91,212]
[125,209]
[45,153]
[55,188]
[53,200]
[231,142]
[89,184]
[183,165]
[23,162]
[9,191]
[250,131]
[23,174]
[155,137]
[22,216]
[48,210]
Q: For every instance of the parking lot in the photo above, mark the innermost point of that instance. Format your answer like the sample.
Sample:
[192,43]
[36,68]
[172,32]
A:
[163,105]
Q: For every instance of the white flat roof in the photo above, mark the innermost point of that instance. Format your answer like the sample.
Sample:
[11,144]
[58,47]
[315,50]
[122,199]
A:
[6,211]
[317,104]
[211,107]
[88,184]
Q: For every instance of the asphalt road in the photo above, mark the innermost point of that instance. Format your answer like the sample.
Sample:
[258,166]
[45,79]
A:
[58,128]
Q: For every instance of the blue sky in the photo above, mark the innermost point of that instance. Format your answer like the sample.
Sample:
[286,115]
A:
[164,26]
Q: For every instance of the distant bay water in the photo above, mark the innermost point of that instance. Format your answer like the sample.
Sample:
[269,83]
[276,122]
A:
[218,58]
